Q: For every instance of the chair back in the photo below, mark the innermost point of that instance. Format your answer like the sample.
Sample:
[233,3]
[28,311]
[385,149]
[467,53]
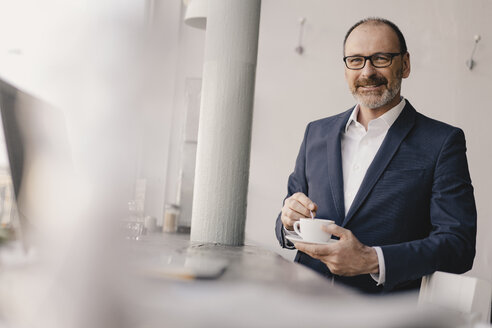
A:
[457,292]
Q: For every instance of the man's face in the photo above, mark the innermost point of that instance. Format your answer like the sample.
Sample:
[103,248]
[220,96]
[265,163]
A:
[375,87]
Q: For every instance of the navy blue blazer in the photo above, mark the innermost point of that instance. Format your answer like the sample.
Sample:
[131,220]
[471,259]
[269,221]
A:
[416,200]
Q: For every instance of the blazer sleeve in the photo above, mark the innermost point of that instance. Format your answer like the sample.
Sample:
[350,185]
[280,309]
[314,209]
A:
[450,246]
[297,183]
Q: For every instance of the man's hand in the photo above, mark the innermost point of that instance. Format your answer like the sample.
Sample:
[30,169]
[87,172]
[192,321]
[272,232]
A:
[296,207]
[346,257]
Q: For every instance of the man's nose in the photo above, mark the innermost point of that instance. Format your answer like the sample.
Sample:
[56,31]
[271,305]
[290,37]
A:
[368,69]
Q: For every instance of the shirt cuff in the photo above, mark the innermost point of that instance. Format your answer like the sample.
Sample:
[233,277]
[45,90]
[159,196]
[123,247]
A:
[380,277]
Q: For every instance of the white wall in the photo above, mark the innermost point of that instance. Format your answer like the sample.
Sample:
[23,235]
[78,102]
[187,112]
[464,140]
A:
[292,90]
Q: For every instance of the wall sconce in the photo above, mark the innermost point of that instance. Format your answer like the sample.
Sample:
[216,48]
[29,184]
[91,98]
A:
[300,49]
[471,63]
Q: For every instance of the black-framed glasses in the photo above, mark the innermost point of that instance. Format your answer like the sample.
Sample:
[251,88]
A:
[379,60]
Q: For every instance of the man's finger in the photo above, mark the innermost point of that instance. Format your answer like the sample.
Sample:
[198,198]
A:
[304,200]
[288,223]
[304,247]
[295,205]
[313,249]
[291,214]
[335,230]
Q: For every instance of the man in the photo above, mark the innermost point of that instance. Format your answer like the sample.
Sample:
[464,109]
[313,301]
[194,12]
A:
[395,182]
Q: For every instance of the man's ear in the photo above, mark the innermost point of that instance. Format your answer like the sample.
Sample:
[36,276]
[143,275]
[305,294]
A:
[406,65]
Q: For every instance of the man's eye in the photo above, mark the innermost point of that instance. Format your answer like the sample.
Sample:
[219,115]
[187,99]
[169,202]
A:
[380,58]
[355,60]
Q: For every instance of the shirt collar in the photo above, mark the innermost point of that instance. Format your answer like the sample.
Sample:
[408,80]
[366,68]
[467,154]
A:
[387,119]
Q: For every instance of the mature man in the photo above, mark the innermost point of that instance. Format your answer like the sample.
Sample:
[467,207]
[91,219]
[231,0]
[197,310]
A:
[395,182]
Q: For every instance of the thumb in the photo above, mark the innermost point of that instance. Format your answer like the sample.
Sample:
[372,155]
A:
[335,230]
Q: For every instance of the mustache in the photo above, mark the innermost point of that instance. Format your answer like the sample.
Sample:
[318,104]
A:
[371,80]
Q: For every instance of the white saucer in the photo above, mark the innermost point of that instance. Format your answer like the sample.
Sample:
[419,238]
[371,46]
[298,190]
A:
[298,239]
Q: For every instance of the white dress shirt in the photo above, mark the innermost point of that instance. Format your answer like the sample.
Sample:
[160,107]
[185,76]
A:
[359,147]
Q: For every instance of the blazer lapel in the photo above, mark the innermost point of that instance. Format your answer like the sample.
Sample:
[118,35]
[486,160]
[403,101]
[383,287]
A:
[397,132]
[335,172]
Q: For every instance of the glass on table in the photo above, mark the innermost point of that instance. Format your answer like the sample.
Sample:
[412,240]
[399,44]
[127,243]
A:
[134,224]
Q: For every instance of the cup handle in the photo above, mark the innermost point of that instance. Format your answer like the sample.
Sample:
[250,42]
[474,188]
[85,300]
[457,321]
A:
[296,227]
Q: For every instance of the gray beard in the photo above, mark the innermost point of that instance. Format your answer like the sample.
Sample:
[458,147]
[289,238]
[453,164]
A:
[373,101]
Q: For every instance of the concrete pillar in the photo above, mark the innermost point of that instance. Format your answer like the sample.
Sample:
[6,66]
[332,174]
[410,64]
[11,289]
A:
[224,133]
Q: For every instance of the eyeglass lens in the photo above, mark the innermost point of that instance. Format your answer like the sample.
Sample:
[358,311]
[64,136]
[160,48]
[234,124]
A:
[377,60]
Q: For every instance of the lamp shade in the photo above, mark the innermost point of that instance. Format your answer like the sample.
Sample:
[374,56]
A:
[196,13]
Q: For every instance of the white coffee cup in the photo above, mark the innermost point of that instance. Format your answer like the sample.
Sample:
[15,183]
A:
[310,229]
